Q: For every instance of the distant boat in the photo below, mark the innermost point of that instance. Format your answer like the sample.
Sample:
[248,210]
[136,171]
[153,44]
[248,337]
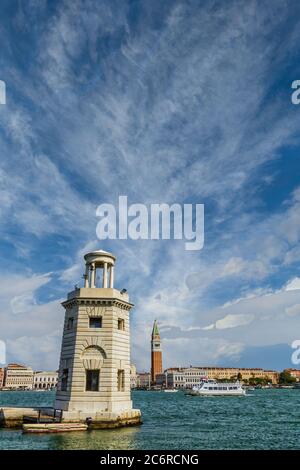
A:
[170,390]
[213,388]
[297,386]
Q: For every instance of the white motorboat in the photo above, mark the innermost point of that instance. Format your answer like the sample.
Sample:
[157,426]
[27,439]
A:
[213,388]
[170,390]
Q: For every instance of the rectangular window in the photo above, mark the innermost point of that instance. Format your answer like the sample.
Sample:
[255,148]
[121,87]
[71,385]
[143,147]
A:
[64,380]
[92,380]
[95,322]
[121,380]
[70,323]
[121,324]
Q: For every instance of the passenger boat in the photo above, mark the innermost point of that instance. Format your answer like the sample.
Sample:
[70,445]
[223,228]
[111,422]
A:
[213,388]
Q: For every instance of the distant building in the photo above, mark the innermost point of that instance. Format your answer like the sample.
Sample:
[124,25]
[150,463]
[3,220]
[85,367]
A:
[1,377]
[45,380]
[295,373]
[133,376]
[18,377]
[180,378]
[230,373]
[272,375]
[143,380]
[156,353]
[187,377]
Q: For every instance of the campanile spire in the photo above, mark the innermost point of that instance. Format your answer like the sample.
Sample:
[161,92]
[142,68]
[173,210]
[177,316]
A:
[156,352]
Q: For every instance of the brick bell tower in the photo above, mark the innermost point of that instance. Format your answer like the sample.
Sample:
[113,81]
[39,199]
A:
[156,353]
[94,372]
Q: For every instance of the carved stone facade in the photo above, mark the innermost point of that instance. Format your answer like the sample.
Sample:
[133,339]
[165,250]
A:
[94,372]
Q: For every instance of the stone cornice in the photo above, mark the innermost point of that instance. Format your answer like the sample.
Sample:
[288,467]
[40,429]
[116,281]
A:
[96,302]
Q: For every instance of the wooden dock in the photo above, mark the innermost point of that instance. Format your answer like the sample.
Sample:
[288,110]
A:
[53,427]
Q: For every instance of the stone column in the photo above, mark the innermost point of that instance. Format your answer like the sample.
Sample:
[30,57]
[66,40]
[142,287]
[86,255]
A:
[105,275]
[86,277]
[92,268]
[111,280]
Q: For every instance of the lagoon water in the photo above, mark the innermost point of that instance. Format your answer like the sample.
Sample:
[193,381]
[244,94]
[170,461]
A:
[264,419]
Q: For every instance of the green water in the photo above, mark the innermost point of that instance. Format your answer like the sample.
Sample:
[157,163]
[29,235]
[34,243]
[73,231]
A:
[265,419]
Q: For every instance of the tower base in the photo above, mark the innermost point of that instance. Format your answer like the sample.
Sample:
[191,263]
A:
[14,418]
[104,420]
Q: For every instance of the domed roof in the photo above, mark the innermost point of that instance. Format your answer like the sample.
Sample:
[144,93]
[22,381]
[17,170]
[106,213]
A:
[98,254]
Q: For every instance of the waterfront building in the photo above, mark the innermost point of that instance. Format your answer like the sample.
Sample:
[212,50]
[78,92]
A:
[133,381]
[1,377]
[45,380]
[156,353]
[143,380]
[233,373]
[18,377]
[187,377]
[295,373]
[94,371]
[272,376]
[180,378]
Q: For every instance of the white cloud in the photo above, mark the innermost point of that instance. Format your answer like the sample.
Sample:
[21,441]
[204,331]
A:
[36,350]
[187,351]
[30,330]
[23,303]
[292,256]
[233,266]
[209,327]
[294,284]
[16,285]
[75,271]
[293,310]
[232,321]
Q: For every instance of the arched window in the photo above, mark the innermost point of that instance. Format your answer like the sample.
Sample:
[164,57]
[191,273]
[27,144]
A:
[92,358]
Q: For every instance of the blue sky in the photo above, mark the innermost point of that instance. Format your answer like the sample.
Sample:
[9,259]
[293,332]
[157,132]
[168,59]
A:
[163,102]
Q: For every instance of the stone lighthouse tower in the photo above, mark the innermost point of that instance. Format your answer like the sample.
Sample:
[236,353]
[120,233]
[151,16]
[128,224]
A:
[94,371]
[156,353]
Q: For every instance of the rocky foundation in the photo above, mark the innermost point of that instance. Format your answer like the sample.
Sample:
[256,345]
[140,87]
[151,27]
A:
[16,417]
